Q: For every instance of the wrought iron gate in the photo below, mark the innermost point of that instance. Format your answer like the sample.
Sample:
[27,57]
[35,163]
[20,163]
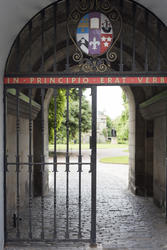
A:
[51,216]
[52,52]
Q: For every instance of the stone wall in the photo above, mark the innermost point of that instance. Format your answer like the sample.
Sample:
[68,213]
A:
[155,109]
[11,174]
[18,181]
[159,160]
[132,138]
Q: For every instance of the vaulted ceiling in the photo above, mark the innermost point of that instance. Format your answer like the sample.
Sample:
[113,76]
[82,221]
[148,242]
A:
[15,14]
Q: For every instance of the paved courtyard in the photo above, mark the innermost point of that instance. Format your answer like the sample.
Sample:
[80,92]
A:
[124,221]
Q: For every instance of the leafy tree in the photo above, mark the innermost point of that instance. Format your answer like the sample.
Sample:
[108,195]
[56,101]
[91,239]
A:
[122,123]
[60,103]
[73,117]
[104,132]
[109,126]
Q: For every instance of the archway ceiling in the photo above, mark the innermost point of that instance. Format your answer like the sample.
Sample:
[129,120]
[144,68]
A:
[15,14]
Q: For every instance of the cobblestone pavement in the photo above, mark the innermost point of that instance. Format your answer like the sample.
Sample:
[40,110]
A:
[124,221]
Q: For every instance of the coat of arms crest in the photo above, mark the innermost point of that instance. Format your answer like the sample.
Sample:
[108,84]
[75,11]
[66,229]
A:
[94,34]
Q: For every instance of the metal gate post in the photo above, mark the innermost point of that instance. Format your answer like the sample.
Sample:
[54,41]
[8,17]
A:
[5,166]
[93,167]
[166,171]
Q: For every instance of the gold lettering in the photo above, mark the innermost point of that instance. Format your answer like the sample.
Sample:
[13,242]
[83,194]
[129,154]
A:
[102,80]
[147,80]
[31,80]
[52,80]
[60,80]
[154,79]
[109,80]
[38,80]
[140,79]
[85,80]
[73,79]
[124,79]
[162,79]
[117,80]
[15,80]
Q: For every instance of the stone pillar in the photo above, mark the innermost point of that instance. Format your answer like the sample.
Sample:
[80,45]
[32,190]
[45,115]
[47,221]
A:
[38,147]
[159,160]
[132,138]
[140,154]
[149,157]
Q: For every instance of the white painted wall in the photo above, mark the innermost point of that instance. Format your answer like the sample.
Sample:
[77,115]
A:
[14,14]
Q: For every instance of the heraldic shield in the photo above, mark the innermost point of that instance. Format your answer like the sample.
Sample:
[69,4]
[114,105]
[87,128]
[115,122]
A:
[94,31]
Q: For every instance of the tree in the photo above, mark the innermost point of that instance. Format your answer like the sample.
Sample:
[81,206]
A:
[60,103]
[109,126]
[73,117]
[122,123]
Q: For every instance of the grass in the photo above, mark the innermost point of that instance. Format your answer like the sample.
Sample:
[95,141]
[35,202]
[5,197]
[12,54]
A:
[115,160]
[86,146]
[126,150]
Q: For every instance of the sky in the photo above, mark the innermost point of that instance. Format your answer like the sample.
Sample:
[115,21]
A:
[109,100]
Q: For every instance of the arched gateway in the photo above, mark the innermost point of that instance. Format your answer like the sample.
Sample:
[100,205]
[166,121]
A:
[77,44]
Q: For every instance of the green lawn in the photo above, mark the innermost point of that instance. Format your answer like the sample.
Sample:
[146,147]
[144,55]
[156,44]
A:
[126,150]
[86,146]
[115,160]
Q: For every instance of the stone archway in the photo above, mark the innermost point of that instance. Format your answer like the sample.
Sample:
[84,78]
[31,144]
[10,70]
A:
[35,53]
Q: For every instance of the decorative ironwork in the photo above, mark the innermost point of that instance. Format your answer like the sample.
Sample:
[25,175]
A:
[94,64]
[90,54]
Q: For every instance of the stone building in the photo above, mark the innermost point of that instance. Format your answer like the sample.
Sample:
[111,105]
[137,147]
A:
[101,126]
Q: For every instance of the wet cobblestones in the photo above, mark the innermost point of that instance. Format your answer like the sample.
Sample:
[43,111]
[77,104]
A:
[124,221]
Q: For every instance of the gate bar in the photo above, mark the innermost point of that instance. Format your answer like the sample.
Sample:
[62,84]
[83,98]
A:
[55,163]
[80,161]
[30,45]
[30,163]
[5,167]
[121,40]
[67,36]
[54,39]
[93,167]
[158,45]
[17,165]
[67,165]
[134,37]
[146,40]
[166,172]
[42,40]
[18,53]
[42,163]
